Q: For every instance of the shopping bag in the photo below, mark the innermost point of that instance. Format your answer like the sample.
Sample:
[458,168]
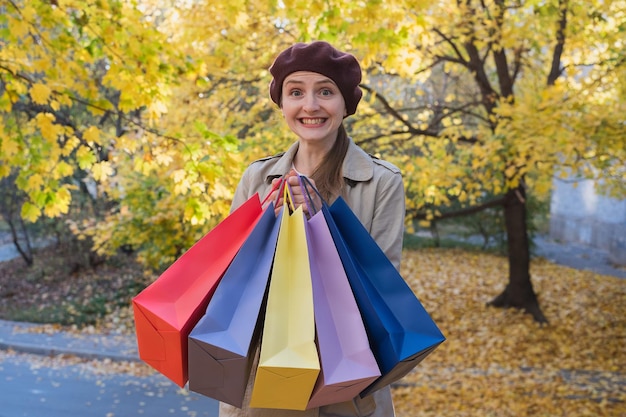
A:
[167,309]
[347,363]
[222,345]
[288,363]
[400,330]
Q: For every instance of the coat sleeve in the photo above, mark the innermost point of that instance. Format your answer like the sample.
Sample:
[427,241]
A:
[244,189]
[387,227]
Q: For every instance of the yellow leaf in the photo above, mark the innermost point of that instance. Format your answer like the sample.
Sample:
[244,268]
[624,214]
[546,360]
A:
[85,157]
[19,28]
[40,93]
[9,147]
[102,170]
[70,145]
[60,204]
[164,159]
[49,130]
[5,103]
[30,212]
[92,134]
[34,182]
[64,169]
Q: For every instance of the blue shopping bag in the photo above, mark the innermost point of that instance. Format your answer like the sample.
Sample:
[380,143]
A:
[400,330]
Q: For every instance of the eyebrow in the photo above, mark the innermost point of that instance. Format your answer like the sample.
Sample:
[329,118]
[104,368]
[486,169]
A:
[321,82]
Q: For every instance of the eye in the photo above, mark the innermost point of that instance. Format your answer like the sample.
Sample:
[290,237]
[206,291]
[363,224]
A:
[326,92]
[295,92]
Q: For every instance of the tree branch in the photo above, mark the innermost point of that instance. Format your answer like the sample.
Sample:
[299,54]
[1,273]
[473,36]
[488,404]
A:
[499,56]
[555,69]
[416,215]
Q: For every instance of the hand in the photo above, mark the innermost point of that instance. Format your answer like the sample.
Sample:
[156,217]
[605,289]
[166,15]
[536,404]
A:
[299,195]
[308,200]
[275,196]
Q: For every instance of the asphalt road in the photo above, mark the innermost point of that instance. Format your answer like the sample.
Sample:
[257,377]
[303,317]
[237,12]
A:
[35,386]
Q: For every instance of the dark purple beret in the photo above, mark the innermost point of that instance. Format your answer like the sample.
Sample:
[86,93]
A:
[324,59]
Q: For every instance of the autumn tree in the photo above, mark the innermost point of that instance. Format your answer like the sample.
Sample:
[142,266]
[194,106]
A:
[160,110]
[516,90]
[84,87]
[477,102]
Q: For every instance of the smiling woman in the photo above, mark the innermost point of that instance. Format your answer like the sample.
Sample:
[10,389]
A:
[314,110]
[316,86]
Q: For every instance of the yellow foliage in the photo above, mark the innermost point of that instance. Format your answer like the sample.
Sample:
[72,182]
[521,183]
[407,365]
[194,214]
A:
[34,182]
[92,135]
[30,212]
[47,126]
[59,204]
[70,145]
[40,93]
[181,107]
[101,171]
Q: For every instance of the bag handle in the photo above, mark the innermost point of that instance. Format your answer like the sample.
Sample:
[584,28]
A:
[308,182]
[275,187]
[288,197]
[307,197]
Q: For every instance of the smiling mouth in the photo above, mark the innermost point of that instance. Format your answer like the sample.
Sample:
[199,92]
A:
[317,121]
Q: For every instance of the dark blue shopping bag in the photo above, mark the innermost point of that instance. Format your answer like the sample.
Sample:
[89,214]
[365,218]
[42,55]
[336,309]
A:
[400,331]
[223,343]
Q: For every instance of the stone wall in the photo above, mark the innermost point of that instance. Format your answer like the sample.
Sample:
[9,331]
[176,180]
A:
[578,214]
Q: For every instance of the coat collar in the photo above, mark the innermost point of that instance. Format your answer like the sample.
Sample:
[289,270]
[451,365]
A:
[357,165]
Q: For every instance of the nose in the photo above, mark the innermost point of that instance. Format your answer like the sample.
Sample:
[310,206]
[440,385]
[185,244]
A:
[311,103]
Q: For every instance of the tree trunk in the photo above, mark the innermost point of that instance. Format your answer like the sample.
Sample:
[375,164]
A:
[519,292]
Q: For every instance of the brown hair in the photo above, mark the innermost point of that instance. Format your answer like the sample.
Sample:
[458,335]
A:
[328,176]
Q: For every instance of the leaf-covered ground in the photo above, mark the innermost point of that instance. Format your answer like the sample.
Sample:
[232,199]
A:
[499,362]
[494,363]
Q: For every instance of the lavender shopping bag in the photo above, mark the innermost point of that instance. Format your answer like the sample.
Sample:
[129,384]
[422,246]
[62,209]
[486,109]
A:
[222,344]
[347,363]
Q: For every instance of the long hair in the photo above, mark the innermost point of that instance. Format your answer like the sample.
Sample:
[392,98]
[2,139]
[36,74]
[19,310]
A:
[328,176]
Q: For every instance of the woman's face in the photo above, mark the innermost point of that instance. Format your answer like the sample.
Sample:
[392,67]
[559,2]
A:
[313,106]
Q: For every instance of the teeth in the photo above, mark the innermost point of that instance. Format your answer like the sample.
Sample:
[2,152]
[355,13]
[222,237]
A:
[312,121]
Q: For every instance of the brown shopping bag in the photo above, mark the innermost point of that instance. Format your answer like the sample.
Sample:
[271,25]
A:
[166,310]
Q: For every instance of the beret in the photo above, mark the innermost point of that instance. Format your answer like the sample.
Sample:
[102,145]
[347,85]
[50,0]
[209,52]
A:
[322,58]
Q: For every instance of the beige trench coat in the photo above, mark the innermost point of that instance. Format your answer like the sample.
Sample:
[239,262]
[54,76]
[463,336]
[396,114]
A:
[375,192]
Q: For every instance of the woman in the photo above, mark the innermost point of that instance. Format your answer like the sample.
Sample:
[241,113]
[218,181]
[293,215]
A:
[316,86]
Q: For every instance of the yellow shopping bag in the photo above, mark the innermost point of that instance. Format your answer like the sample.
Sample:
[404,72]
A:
[289,364]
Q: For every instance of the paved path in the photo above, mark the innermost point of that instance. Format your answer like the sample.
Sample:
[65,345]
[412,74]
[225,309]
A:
[578,256]
[37,386]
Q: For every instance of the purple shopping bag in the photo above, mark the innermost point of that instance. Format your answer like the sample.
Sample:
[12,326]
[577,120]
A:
[347,363]
[222,344]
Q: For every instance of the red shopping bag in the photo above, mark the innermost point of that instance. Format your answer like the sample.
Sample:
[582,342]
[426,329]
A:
[223,343]
[166,310]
